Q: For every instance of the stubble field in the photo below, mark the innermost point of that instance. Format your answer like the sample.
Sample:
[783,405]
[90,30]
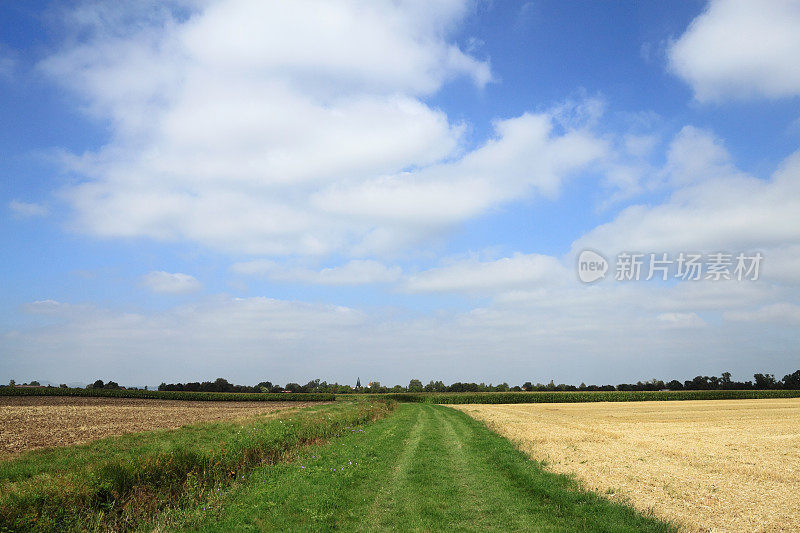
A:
[708,465]
[28,423]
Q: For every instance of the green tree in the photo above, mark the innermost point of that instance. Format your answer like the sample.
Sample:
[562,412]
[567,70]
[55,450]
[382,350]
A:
[764,381]
[415,385]
[792,381]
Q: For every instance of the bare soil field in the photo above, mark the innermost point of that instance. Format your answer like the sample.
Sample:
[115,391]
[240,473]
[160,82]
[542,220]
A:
[730,465]
[28,423]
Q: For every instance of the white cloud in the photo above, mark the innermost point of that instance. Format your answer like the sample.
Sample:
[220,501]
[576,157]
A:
[49,307]
[695,155]
[473,276]
[27,209]
[609,332]
[721,209]
[170,283]
[355,272]
[681,320]
[268,128]
[782,312]
[8,62]
[740,49]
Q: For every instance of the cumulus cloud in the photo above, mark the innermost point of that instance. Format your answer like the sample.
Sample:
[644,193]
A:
[355,272]
[268,129]
[717,208]
[8,62]
[738,49]
[27,209]
[611,332]
[488,277]
[696,155]
[782,312]
[681,320]
[170,283]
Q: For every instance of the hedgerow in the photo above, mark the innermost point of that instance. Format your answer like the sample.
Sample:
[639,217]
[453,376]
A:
[169,395]
[585,396]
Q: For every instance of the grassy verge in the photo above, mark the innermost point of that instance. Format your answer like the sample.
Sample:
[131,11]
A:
[425,468]
[170,395]
[579,396]
[115,483]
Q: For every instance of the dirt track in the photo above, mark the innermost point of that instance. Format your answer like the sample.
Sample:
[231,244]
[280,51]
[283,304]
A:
[28,423]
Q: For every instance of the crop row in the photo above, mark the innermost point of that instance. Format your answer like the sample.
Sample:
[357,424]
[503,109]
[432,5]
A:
[169,395]
[586,396]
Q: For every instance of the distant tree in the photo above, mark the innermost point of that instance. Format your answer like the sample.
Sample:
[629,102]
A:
[34,383]
[222,385]
[435,386]
[63,386]
[765,381]
[675,385]
[415,385]
[111,385]
[311,386]
[294,387]
[264,386]
[12,383]
[698,383]
[97,384]
[792,381]
[527,386]
[358,383]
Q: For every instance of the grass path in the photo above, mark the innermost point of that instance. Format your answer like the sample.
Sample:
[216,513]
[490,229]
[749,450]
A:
[424,468]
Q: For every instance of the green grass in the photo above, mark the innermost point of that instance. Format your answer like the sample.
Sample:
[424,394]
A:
[115,483]
[169,395]
[578,396]
[425,468]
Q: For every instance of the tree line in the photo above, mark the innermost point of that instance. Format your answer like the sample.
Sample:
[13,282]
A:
[723,382]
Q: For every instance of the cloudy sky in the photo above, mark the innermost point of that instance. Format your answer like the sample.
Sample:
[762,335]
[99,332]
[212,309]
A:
[391,190]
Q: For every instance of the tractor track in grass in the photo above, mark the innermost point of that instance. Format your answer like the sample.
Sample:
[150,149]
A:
[423,468]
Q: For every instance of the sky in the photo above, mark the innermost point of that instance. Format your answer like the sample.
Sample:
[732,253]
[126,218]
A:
[286,191]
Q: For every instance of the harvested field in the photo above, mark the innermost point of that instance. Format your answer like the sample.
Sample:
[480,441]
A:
[27,423]
[729,465]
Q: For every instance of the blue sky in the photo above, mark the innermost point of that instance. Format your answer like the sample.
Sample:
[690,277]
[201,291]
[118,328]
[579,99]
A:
[259,190]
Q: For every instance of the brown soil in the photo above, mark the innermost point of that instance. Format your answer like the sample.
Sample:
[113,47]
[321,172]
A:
[28,423]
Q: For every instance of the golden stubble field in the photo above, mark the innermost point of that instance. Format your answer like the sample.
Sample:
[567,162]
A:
[28,423]
[725,465]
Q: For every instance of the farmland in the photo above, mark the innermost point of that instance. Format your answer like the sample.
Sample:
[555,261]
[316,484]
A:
[727,466]
[31,422]
[116,482]
[372,464]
